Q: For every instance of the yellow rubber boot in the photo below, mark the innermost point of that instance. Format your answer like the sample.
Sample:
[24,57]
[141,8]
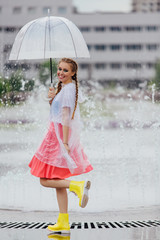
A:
[59,236]
[62,224]
[80,188]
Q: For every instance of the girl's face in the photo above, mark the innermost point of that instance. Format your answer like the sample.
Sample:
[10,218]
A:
[64,72]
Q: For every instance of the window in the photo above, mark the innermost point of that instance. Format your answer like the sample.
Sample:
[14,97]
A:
[62,10]
[150,65]
[115,47]
[115,28]
[100,65]
[12,66]
[25,66]
[152,46]
[132,28]
[37,65]
[7,48]
[10,29]
[17,10]
[115,65]
[16,66]
[133,65]
[100,47]
[84,65]
[100,29]
[152,28]
[89,46]
[46,10]
[85,29]
[133,47]
[31,10]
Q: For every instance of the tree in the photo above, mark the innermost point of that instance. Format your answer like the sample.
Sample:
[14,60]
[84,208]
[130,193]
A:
[1,86]
[44,71]
[16,81]
[12,90]
[29,85]
[156,79]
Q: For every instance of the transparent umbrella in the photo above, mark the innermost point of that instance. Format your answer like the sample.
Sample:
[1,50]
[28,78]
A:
[49,37]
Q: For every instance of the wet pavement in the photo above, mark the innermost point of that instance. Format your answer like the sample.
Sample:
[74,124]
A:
[140,224]
[144,233]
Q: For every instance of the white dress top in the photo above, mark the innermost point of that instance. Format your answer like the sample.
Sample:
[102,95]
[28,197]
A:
[63,106]
[61,111]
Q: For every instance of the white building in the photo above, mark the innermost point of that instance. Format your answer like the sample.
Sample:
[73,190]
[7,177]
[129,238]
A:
[124,47]
[146,5]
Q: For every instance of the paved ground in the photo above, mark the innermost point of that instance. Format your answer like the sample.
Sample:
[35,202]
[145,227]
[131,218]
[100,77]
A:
[131,234]
[123,215]
[133,224]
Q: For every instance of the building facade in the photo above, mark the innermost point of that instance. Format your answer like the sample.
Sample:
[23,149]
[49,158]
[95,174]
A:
[124,47]
[146,5]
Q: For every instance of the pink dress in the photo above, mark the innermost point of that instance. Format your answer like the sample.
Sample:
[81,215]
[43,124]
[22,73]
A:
[51,159]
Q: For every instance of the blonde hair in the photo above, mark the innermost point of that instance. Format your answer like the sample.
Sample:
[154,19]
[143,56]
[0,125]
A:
[74,67]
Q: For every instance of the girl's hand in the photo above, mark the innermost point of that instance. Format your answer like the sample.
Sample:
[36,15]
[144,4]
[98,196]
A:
[51,92]
[66,147]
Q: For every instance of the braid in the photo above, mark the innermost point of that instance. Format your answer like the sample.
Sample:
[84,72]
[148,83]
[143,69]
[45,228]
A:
[74,67]
[59,87]
[76,81]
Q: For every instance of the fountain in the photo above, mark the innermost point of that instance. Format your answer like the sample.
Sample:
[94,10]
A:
[121,138]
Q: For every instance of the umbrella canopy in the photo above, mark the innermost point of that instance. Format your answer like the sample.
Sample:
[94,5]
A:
[49,37]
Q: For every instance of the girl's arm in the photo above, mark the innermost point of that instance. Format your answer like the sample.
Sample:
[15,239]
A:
[65,137]
[65,134]
[65,120]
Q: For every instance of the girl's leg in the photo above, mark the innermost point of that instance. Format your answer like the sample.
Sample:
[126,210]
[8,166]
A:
[62,199]
[80,188]
[54,183]
[60,185]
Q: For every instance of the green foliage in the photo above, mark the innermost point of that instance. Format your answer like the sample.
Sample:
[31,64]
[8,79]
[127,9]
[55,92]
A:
[15,81]
[11,91]
[156,79]
[44,71]
[29,85]
[1,86]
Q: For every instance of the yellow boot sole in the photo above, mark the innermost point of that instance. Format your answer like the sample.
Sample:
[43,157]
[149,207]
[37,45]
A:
[85,194]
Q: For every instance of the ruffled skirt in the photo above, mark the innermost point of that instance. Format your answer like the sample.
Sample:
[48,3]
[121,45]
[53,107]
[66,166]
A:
[39,166]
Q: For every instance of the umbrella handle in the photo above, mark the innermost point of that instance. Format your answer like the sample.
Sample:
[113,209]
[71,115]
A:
[47,98]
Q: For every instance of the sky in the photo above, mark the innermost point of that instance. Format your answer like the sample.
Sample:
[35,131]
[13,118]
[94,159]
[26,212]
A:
[103,5]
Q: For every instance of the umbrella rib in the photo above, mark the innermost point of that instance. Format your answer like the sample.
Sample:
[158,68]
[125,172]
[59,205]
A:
[24,37]
[49,34]
[45,39]
[71,37]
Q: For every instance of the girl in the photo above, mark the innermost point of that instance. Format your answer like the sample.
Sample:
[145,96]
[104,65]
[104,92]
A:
[61,155]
